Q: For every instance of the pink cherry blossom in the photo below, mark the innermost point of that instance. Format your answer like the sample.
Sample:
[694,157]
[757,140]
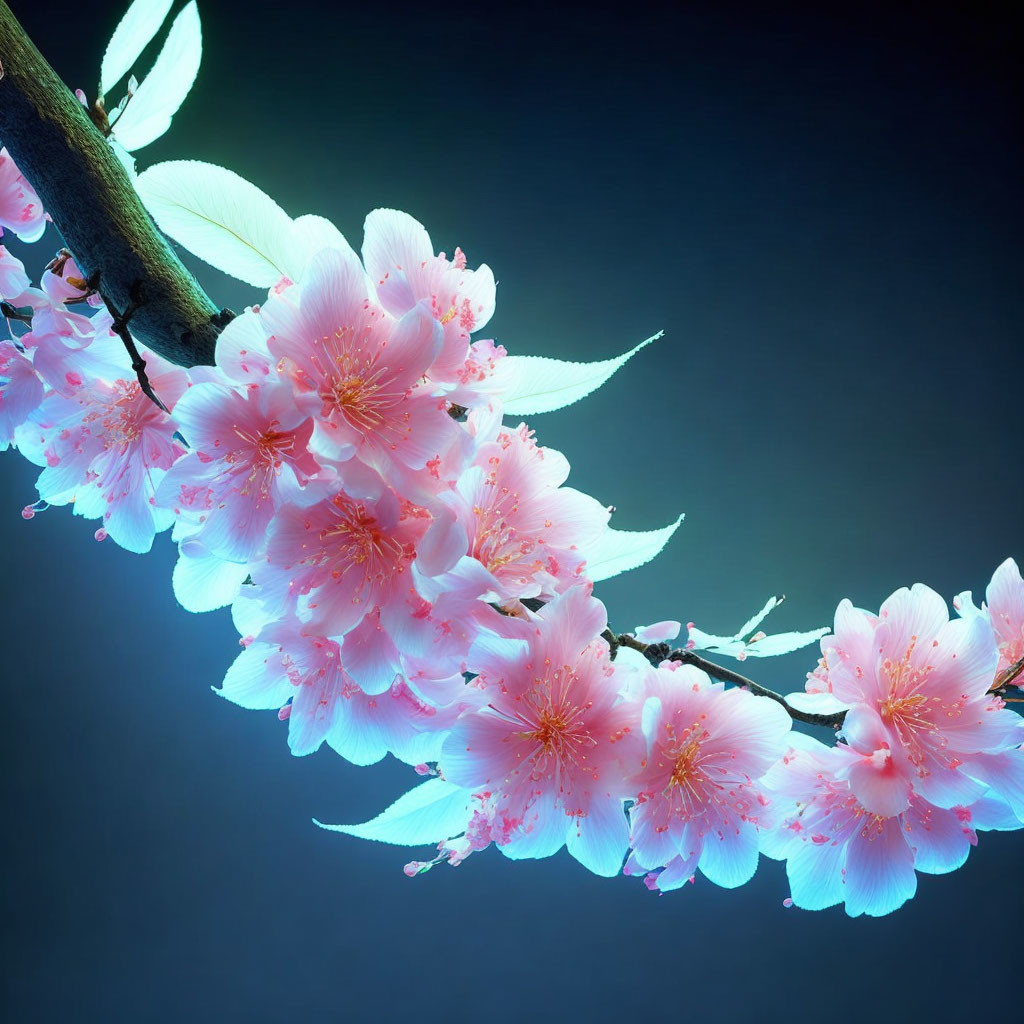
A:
[246,452]
[342,478]
[69,346]
[1004,608]
[699,800]
[106,450]
[340,558]
[837,851]
[487,823]
[479,377]
[405,272]
[514,516]
[361,371]
[13,279]
[554,740]
[920,708]
[21,391]
[304,676]
[20,208]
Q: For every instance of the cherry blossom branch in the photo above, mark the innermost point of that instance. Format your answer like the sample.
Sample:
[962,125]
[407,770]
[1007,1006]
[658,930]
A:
[657,653]
[90,197]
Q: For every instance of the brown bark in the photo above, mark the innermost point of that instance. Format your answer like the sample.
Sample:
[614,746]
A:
[90,197]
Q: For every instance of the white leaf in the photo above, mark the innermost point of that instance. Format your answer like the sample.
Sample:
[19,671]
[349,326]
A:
[141,22]
[742,645]
[783,643]
[220,217]
[536,384]
[815,703]
[750,625]
[701,641]
[618,551]
[433,811]
[148,113]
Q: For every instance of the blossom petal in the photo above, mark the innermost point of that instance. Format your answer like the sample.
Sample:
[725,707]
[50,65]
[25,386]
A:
[815,875]
[939,838]
[601,837]
[880,874]
[730,858]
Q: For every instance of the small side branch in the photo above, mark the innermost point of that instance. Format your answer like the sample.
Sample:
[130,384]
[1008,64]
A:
[10,313]
[657,653]
[726,675]
[120,327]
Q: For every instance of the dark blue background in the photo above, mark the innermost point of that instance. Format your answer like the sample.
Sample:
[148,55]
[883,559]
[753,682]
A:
[822,209]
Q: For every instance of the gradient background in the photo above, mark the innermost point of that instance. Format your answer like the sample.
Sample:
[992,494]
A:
[822,209]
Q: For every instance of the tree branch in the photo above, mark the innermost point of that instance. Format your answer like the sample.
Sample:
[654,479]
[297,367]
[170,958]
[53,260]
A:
[91,199]
[657,653]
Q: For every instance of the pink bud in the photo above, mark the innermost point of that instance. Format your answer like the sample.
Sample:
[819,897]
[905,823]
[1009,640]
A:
[787,902]
[28,512]
[422,769]
[413,868]
[100,534]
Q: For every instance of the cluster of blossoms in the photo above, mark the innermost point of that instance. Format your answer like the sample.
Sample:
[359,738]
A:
[411,575]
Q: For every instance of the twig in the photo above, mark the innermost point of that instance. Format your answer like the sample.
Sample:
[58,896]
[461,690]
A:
[657,653]
[120,327]
[11,313]
[725,675]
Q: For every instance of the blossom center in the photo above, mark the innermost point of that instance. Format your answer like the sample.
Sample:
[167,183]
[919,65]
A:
[555,727]
[550,732]
[121,426]
[903,707]
[357,539]
[354,397]
[269,446]
[906,707]
[686,771]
